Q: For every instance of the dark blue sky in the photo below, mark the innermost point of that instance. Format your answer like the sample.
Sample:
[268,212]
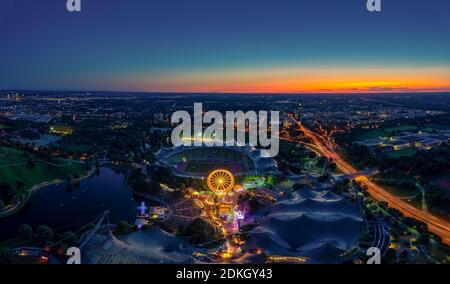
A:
[226,45]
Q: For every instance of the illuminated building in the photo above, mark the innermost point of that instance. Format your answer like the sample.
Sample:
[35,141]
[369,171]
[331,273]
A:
[61,130]
[287,123]
[224,209]
[240,215]
[158,212]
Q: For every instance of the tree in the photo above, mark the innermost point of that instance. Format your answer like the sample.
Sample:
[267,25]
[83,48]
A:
[30,164]
[69,238]
[44,233]
[254,205]
[70,178]
[25,231]
[390,256]
[7,192]
[333,167]
[20,185]
[298,186]
[122,227]
[324,177]
[423,239]
[438,200]
[62,249]
[177,194]
[201,231]
[5,255]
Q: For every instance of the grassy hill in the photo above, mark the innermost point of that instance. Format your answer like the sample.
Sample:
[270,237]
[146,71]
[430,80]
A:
[14,168]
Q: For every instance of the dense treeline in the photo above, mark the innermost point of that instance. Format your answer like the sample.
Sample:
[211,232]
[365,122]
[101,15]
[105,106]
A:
[438,200]
[362,157]
[141,184]
[201,231]
[41,236]
[423,163]
[7,194]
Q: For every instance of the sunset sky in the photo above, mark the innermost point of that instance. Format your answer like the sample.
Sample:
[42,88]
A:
[251,46]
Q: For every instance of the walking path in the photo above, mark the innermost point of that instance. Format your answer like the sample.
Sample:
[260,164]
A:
[11,209]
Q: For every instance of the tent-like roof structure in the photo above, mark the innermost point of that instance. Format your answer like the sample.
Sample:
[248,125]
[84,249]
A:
[153,246]
[319,226]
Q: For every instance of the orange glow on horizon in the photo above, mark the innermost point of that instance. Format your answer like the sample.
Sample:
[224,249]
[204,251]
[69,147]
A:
[294,80]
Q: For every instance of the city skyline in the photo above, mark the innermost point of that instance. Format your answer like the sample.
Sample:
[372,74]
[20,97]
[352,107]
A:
[185,134]
[296,47]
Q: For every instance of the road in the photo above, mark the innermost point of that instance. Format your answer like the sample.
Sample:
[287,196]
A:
[324,145]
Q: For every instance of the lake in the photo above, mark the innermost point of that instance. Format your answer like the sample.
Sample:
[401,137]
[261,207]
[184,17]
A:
[62,210]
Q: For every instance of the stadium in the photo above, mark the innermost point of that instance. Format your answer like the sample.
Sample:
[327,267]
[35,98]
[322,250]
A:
[198,162]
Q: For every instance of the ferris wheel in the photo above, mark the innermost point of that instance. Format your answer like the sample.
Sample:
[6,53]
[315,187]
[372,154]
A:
[220,181]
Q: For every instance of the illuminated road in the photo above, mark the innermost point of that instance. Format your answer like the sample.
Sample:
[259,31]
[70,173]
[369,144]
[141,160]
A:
[324,145]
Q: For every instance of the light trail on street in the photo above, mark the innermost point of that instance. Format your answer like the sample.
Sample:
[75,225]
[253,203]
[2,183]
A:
[324,145]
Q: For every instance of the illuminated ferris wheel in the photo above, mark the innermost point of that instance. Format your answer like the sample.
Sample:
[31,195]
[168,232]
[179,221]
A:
[220,181]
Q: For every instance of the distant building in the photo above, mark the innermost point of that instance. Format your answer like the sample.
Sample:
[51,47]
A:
[429,143]
[287,123]
[422,140]
[163,130]
[61,130]
[123,125]
[38,118]
[400,144]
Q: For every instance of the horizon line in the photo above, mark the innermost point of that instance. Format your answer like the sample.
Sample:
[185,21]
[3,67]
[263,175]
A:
[225,93]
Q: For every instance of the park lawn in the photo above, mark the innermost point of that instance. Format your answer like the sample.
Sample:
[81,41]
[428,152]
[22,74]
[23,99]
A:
[371,134]
[39,173]
[400,128]
[11,156]
[394,176]
[408,152]
[303,161]
[14,168]
[400,192]
[318,166]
